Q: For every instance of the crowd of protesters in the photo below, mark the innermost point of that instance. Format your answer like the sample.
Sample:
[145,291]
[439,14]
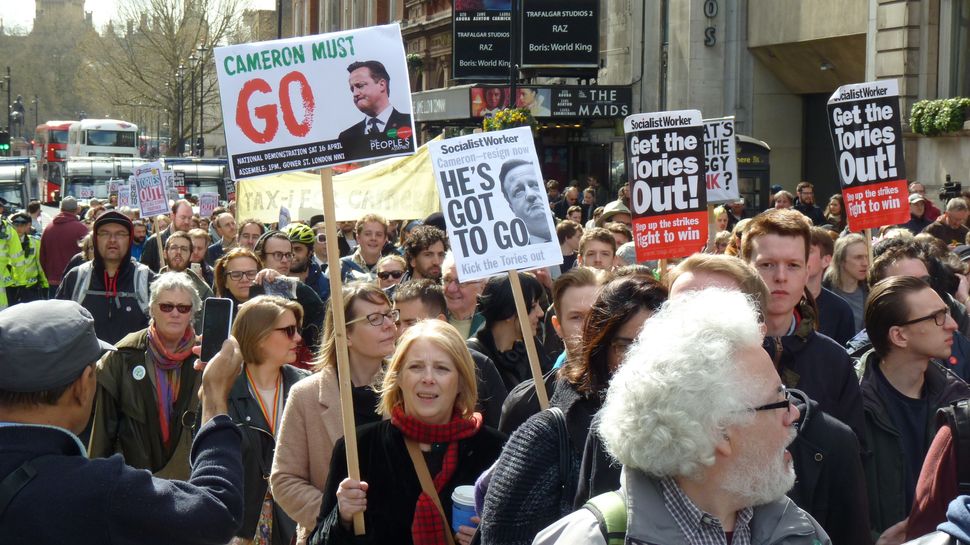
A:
[781,385]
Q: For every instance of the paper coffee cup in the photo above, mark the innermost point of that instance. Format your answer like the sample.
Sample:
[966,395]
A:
[463,507]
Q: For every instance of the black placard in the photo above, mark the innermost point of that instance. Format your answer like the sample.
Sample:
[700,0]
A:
[560,34]
[482,44]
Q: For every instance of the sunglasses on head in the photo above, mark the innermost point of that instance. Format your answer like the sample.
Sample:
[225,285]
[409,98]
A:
[384,275]
[168,307]
[289,330]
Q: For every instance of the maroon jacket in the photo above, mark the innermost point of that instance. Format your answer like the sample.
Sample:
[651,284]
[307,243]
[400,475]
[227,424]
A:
[59,243]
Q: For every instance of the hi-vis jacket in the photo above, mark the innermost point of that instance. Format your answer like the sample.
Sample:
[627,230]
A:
[11,258]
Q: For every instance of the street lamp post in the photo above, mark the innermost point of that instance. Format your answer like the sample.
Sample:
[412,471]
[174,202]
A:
[179,76]
[7,81]
[36,104]
[200,143]
[192,66]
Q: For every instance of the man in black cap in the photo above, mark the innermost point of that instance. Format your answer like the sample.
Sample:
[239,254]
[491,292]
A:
[51,493]
[113,286]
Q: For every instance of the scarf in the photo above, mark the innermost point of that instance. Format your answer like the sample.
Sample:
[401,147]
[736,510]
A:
[427,527]
[168,373]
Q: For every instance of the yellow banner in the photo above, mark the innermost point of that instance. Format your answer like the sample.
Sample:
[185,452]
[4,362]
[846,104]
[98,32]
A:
[399,188]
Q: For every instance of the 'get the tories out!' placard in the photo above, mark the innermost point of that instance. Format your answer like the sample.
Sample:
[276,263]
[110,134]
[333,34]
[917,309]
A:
[495,203]
[315,101]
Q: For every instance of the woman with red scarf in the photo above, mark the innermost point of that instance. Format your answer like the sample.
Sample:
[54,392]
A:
[149,384]
[429,393]
[268,331]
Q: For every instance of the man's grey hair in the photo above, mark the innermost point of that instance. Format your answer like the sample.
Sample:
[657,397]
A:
[956,204]
[175,281]
[680,385]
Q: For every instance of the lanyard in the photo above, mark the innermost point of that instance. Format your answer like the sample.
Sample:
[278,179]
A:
[277,400]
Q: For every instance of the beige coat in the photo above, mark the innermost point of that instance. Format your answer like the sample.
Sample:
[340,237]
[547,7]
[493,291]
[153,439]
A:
[312,423]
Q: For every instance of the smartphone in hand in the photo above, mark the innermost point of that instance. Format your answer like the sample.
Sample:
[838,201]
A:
[216,323]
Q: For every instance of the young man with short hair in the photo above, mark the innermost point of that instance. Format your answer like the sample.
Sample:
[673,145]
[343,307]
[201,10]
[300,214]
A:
[903,386]
[777,243]
[371,235]
[597,249]
[835,318]
[225,227]
[181,220]
[569,233]
[573,295]
[806,203]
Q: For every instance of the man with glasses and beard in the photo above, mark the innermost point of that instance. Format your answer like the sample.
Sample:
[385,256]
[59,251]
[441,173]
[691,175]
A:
[178,249]
[903,386]
[701,424]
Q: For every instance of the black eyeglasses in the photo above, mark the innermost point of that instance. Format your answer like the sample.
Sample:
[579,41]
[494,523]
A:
[238,275]
[384,275]
[289,330]
[783,404]
[280,256]
[939,317]
[169,307]
[377,318]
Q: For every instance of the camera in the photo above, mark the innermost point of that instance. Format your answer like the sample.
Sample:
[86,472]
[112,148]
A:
[949,191]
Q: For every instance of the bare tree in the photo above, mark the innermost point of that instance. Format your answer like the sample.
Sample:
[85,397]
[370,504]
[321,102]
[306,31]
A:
[149,56]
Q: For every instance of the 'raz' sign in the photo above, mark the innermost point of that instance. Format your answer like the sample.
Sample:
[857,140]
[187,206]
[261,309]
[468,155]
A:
[720,160]
[665,164]
[150,190]
[867,136]
[495,203]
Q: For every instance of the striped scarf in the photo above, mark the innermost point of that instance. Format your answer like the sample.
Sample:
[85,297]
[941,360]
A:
[168,373]
[427,528]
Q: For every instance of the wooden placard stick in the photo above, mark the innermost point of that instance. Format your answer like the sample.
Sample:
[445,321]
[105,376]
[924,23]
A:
[528,338]
[340,336]
[158,239]
[867,234]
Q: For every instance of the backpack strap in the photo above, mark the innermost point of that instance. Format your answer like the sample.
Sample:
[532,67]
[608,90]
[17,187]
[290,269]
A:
[82,282]
[957,416]
[14,483]
[610,511]
[562,433]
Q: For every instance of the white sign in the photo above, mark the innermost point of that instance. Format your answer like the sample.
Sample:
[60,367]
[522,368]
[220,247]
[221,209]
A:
[207,203]
[124,195]
[150,190]
[113,186]
[168,181]
[495,203]
[315,101]
[85,192]
[721,160]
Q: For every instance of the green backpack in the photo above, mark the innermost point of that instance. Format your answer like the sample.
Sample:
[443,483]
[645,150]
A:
[610,512]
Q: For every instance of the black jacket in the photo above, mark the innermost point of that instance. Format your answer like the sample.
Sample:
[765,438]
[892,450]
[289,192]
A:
[884,470]
[393,484]
[818,366]
[356,144]
[513,364]
[258,446]
[76,500]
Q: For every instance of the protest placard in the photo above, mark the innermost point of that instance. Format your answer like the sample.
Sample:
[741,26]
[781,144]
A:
[665,165]
[168,182]
[178,178]
[207,203]
[495,203]
[113,187]
[85,192]
[150,190]
[720,160]
[315,101]
[864,120]
[230,190]
[124,195]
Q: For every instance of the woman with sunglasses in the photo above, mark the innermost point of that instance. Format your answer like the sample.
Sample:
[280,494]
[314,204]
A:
[428,399]
[149,384]
[268,331]
[313,421]
[390,269]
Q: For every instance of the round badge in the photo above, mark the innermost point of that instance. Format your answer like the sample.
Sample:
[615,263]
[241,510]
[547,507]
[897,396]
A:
[138,372]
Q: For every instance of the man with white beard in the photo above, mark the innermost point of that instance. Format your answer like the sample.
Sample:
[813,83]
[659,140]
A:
[700,422]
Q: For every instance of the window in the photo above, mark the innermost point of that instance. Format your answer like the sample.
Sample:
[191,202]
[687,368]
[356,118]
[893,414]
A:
[954,48]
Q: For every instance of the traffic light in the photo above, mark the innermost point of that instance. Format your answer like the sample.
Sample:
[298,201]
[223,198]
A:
[4,141]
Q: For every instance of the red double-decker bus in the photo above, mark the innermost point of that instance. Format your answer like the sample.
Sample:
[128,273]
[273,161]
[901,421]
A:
[50,145]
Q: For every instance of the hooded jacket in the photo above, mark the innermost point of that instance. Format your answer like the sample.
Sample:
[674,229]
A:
[59,243]
[110,300]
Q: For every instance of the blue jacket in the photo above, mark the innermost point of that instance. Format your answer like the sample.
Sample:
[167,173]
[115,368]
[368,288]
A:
[76,500]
